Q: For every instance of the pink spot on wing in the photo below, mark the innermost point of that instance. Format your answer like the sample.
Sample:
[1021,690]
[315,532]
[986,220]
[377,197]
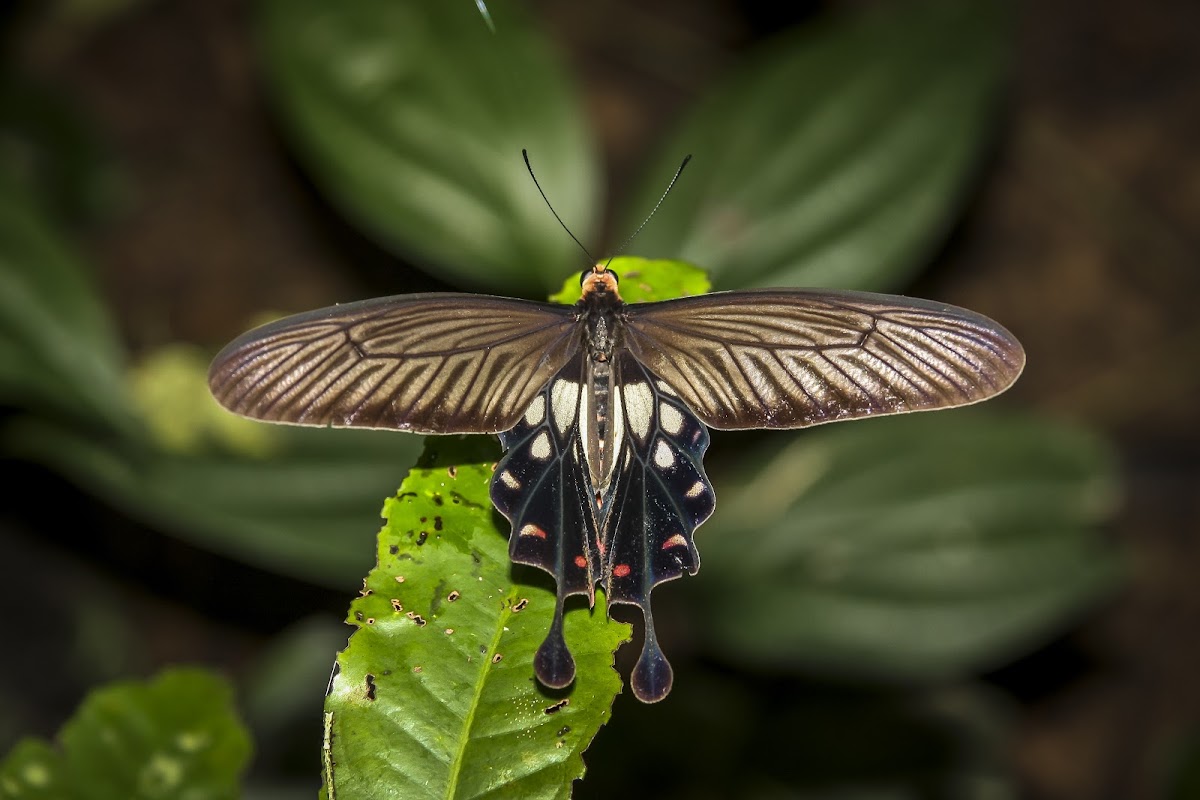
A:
[580,562]
[621,570]
[675,541]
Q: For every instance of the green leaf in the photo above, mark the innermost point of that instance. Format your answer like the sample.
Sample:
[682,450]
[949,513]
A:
[643,280]
[36,771]
[169,387]
[1184,778]
[308,511]
[411,117]
[487,15]
[58,351]
[435,696]
[771,738]
[50,153]
[912,547]
[281,687]
[838,155]
[175,737]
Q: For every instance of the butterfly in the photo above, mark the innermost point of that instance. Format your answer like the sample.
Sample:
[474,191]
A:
[603,407]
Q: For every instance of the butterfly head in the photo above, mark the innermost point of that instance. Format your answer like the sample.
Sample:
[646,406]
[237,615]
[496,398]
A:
[600,282]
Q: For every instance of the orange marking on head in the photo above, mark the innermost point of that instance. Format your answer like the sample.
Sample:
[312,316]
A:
[675,541]
[600,281]
[533,530]
[621,570]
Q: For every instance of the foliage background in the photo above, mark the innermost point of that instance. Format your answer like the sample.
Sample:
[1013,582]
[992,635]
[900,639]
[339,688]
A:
[1082,240]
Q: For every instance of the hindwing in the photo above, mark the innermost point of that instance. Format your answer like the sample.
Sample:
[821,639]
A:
[632,533]
[659,494]
[542,486]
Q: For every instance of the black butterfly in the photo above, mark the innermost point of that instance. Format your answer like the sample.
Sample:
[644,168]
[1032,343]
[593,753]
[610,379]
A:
[602,405]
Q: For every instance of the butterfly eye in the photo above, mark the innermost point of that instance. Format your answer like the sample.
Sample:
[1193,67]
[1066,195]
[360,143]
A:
[587,273]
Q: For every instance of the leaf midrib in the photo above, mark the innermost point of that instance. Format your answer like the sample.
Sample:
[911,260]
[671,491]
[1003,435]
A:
[469,721]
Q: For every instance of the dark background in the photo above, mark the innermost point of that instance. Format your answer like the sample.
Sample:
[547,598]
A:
[1082,238]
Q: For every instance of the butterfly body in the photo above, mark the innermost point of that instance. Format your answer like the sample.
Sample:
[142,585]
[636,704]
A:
[603,407]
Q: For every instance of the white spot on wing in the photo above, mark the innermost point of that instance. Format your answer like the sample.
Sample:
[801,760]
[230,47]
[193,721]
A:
[639,407]
[695,490]
[564,399]
[665,388]
[670,419]
[616,441]
[585,438]
[509,480]
[663,457]
[536,411]
[541,447]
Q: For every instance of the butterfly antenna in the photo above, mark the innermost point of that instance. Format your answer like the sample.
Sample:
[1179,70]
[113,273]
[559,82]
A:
[528,166]
[654,210]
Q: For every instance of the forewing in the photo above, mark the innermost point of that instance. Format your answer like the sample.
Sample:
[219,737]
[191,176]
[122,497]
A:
[792,358]
[430,363]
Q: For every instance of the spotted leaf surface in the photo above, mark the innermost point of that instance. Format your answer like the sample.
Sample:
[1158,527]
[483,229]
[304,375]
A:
[435,695]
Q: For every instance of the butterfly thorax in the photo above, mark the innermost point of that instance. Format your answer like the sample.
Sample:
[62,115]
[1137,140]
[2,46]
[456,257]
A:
[601,309]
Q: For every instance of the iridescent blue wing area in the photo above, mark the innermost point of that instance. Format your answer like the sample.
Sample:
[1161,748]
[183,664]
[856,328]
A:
[542,486]
[658,495]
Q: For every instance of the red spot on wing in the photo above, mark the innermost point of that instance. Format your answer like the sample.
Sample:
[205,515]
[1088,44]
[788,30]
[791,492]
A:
[580,562]
[621,570]
[533,530]
[675,541]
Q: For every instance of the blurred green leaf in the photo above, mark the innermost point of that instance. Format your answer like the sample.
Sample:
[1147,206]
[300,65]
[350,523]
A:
[49,153]
[912,547]
[780,738]
[1184,780]
[34,770]
[175,737]
[643,280]
[487,15]
[838,155]
[58,351]
[411,117]
[170,389]
[436,696]
[284,687]
[308,512]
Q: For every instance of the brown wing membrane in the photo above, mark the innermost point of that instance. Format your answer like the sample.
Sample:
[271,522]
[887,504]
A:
[431,363]
[791,358]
